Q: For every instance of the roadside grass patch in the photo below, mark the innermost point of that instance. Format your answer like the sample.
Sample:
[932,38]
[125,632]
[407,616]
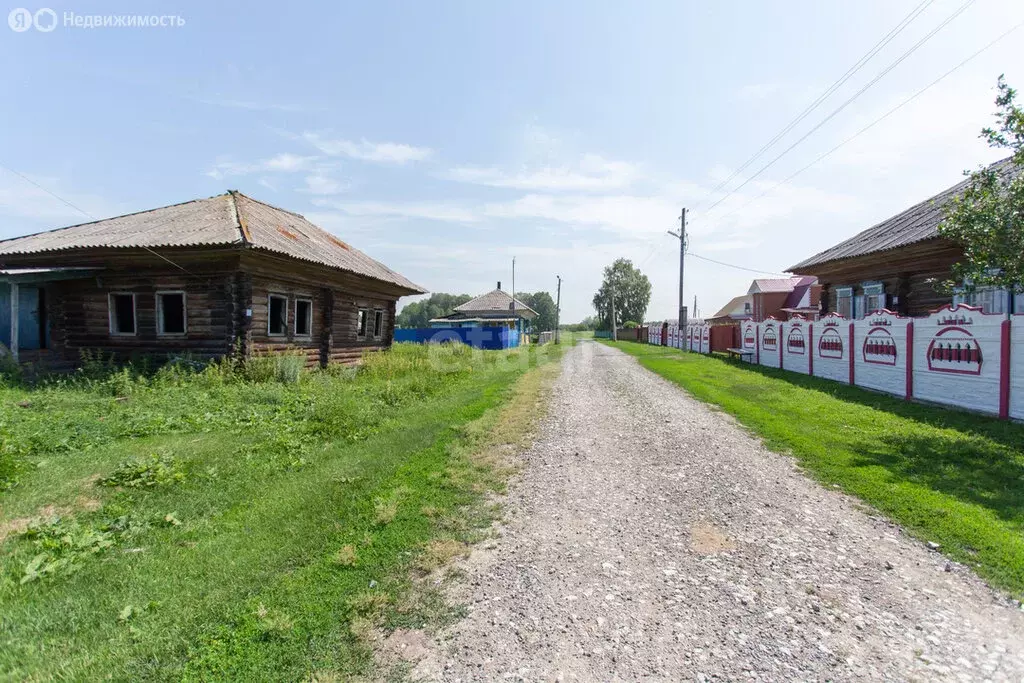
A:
[241,528]
[156,470]
[949,477]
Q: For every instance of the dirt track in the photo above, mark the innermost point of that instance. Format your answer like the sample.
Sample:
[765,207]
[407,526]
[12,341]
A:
[650,538]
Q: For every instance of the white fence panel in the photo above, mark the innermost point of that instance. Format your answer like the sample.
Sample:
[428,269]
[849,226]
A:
[831,348]
[957,358]
[880,352]
[771,343]
[705,339]
[797,335]
[748,339]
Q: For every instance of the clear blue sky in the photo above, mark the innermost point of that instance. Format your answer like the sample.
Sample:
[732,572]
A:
[444,138]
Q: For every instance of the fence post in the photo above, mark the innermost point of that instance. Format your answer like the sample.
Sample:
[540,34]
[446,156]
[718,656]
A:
[782,347]
[1004,371]
[757,342]
[910,360]
[810,349]
[852,352]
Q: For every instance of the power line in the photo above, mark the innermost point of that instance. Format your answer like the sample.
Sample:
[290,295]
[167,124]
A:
[860,132]
[878,120]
[52,194]
[84,212]
[849,101]
[732,265]
[885,40]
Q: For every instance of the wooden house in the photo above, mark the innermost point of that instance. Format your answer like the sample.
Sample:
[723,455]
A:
[496,308]
[738,309]
[897,265]
[781,298]
[207,278]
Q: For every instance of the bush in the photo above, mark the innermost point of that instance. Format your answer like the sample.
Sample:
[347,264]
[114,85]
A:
[10,466]
[10,370]
[629,325]
[286,368]
[155,470]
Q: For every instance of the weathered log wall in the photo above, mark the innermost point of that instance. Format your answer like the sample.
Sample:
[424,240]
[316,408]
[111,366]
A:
[226,293]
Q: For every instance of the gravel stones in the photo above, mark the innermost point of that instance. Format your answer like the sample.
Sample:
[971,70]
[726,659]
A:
[651,538]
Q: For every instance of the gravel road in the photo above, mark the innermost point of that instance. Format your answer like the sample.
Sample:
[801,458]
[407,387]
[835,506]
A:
[650,538]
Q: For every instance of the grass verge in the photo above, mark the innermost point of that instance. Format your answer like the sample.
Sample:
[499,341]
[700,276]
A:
[947,476]
[198,527]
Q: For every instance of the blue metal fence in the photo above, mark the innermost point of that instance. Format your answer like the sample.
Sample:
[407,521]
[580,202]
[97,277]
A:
[477,337]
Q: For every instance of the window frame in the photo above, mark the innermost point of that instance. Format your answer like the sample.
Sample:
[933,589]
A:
[160,332]
[295,323]
[1000,295]
[378,317]
[362,321]
[845,293]
[871,290]
[284,327]
[111,314]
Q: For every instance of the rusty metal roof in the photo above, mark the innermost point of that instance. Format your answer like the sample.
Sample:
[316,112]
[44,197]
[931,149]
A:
[918,223]
[224,220]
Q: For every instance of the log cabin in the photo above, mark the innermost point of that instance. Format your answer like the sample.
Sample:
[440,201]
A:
[207,278]
[898,265]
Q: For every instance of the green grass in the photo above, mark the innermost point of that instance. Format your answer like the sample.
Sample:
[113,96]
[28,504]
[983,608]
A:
[947,476]
[211,527]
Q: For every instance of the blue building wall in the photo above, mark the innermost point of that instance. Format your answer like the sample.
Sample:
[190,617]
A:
[477,337]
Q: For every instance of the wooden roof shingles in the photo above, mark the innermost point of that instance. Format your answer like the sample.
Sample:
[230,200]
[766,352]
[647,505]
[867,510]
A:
[916,224]
[230,219]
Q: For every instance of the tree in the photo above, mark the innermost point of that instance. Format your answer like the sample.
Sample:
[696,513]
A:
[545,307]
[419,313]
[588,323]
[987,220]
[632,293]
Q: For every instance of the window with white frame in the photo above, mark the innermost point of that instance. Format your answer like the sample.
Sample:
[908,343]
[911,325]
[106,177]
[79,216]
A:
[303,317]
[122,313]
[170,313]
[277,315]
[361,317]
[378,323]
[844,301]
[874,297]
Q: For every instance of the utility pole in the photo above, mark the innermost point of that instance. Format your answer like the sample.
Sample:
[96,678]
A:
[696,314]
[514,321]
[615,332]
[682,237]
[558,309]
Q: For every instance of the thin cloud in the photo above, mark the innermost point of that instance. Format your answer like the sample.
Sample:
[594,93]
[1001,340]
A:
[438,211]
[755,92]
[364,150]
[322,184]
[591,173]
[279,163]
[251,105]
